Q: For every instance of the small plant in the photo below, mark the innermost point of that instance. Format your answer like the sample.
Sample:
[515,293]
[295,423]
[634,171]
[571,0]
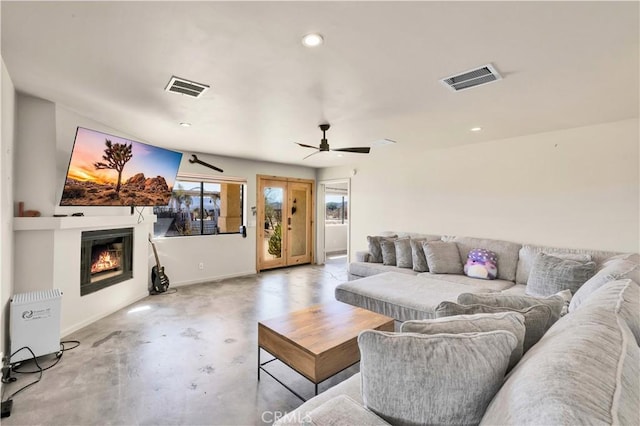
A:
[183,229]
[275,241]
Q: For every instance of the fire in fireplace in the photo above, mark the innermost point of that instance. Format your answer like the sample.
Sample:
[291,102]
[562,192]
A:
[106,259]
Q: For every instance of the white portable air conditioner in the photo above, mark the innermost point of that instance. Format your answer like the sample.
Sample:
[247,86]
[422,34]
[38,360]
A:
[35,323]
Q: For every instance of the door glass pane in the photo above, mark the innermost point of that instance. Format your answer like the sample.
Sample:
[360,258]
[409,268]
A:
[272,243]
[298,233]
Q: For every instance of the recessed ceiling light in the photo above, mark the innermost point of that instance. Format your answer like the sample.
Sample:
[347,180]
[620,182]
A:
[185,124]
[312,40]
[476,129]
[340,155]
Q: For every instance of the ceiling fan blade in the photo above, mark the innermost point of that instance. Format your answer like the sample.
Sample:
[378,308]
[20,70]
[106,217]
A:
[357,150]
[317,152]
[306,146]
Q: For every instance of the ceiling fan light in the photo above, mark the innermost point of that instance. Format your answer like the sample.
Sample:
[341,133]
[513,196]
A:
[312,40]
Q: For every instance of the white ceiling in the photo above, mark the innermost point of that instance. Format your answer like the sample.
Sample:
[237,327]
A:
[565,64]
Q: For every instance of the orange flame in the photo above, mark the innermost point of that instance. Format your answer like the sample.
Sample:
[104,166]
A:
[105,263]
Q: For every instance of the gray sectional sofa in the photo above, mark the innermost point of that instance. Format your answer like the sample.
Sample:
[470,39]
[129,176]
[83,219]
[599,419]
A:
[405,294]
[584,370]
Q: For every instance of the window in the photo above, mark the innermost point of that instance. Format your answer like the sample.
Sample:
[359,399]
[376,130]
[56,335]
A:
[201,207]
[337,208]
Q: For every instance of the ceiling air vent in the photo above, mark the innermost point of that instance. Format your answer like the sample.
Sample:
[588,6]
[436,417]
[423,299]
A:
[472,78]
[186,87]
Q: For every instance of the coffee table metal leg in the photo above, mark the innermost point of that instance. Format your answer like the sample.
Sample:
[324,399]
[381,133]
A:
[262,364]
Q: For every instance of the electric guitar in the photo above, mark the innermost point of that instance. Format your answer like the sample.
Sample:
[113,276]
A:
[159,280]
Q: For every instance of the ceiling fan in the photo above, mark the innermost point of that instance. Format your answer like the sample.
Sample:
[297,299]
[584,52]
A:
[324,145]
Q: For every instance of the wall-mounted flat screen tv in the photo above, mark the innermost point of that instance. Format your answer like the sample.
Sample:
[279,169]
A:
[107,170]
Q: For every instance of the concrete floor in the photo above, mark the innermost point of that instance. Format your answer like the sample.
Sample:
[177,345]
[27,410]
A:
[187,358]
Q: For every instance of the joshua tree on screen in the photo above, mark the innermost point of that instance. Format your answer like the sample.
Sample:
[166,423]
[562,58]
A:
[116,155]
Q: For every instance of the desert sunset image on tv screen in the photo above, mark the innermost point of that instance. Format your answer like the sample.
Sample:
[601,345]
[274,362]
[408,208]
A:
[107,170]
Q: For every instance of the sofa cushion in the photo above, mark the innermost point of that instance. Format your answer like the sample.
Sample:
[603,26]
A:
[509,321]
[585,370]
[487,285]
[418,258]
[442,257]
[366,269]
[341,411]
[403,253]
[528,254]
[350,388]
[417,379]
[375,251]
[536,318]
[362,256]
[388,249]
[400,296]
[616,269]
[621,296]
[555,302]
[550,274]
[507,253]
[515,290]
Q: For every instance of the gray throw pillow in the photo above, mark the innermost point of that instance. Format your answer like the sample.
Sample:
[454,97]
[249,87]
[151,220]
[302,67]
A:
[555,302]
[550,274]
[403,253]
[375,250]
[443,257]
[508,321]
[418,258]
[388,248]
[536,318]
[616,269]
[621,297]
[419,379]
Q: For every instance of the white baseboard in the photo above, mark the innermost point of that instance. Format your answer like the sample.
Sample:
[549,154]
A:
[213,279]
[75,327]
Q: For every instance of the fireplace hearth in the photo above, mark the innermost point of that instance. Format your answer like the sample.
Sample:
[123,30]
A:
[106,259]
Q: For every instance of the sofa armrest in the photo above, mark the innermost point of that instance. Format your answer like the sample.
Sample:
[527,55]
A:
[338,411]
[363,256]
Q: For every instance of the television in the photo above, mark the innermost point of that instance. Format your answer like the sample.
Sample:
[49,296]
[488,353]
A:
[107,170]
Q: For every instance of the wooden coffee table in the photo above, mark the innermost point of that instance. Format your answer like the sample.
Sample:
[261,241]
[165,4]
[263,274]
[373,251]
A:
[317,342]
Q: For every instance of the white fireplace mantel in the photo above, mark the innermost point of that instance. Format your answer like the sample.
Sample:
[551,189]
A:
[75,222]
[47,256]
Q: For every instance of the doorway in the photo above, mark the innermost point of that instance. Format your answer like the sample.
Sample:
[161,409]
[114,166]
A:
[333,217]
[285,209]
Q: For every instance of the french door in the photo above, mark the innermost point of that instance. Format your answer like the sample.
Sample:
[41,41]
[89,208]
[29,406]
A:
[284,221]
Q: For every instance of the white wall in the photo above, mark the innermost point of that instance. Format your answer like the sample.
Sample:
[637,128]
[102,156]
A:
[335,237]
[45,259]
[571,188]
[223,255]
[46,131]
[67,122]
[35,173]
[8,109]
